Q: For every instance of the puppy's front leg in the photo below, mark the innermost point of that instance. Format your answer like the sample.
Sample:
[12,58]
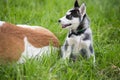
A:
[66,50]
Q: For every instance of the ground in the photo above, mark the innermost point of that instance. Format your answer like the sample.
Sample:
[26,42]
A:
[105,24]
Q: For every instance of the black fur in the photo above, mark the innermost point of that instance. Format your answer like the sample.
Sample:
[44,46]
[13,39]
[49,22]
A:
[76,33]
[73,57]
[83,52]
[75,12]
[91,48]
[76,4]
[69,17]
[87,37]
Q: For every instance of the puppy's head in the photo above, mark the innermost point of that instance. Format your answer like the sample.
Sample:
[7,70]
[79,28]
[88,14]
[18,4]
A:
[73,17]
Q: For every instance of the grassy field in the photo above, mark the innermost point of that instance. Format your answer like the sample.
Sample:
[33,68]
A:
[105,23]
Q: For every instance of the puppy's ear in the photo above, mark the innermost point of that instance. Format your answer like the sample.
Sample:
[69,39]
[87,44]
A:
[76,4]
[83,9]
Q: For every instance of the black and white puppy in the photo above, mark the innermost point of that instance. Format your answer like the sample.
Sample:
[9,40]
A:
[79,38]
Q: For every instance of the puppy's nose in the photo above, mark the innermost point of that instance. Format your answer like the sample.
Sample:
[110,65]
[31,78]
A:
[59,21]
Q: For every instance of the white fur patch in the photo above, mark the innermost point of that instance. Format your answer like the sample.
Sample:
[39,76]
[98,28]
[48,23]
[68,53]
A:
[32,52]
[1,23]
[27,26]
[68,13]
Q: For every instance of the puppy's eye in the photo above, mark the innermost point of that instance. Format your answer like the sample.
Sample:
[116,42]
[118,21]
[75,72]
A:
[69,17]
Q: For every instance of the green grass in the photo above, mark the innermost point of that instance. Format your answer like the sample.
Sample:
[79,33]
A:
[105,23]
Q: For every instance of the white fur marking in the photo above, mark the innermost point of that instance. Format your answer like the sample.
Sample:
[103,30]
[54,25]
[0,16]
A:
[27,26]
[68,13]
[32,52]
[1,23]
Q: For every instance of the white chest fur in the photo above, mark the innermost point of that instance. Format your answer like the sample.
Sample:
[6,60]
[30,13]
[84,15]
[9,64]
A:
[75,43]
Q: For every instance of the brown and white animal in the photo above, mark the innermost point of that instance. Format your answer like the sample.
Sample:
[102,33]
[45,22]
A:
[20,41]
